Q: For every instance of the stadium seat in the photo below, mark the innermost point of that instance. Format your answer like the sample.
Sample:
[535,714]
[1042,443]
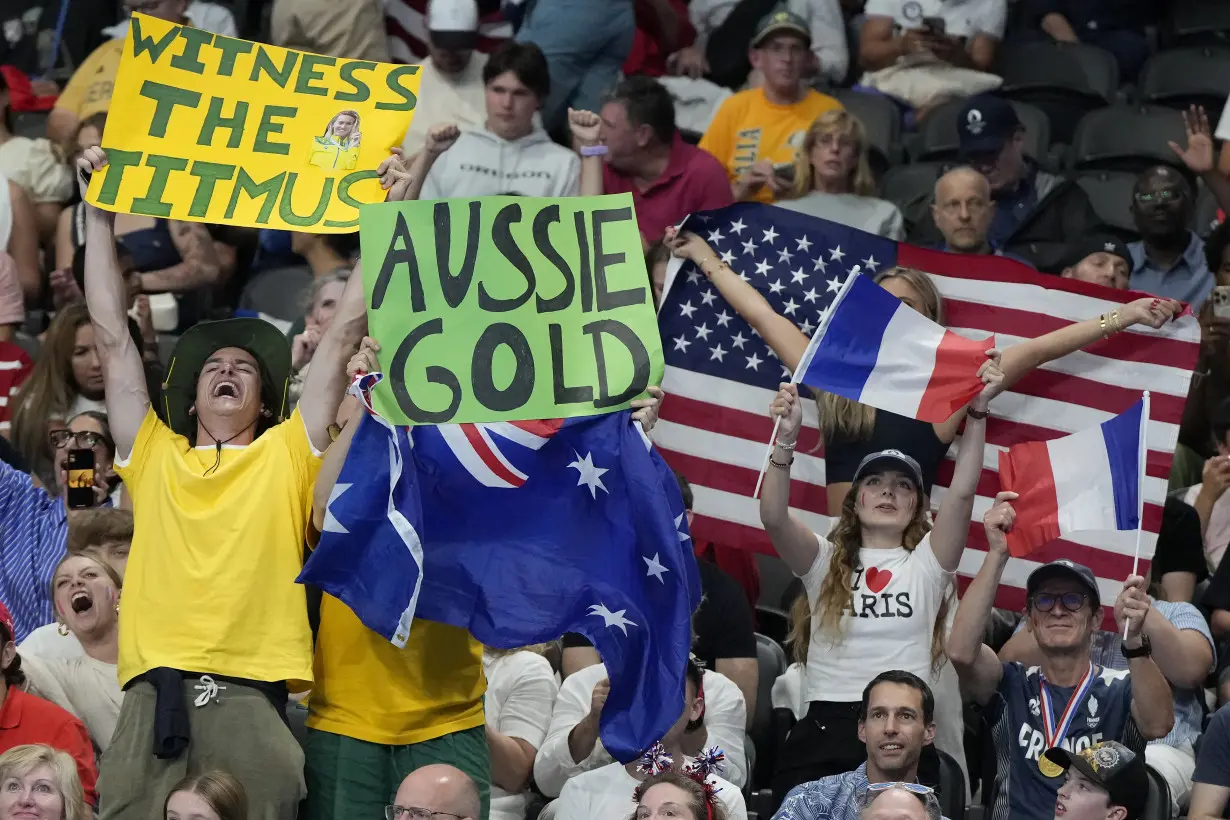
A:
[1110,193]
[1065,80]
[280,292]
[1198,23]
[1127,138]
[1187,76]
[951,790]
[882,119]
[1158,805]
[940,140]
[771,663]
[911,188]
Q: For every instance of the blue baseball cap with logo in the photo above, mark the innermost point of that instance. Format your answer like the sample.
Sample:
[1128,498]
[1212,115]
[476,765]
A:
[985,125]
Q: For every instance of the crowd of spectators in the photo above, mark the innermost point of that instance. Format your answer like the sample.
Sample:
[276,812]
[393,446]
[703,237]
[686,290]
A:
[198,683]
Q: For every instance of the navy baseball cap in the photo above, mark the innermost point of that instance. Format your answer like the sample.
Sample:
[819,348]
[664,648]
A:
[985,124]
[890,460]
[1064,568]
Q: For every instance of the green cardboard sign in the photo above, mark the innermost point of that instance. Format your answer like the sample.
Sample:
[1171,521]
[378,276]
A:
[508,308]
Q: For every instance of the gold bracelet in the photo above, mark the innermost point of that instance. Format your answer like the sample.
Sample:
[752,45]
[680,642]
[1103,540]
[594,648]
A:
[1117,320]
[1102,325]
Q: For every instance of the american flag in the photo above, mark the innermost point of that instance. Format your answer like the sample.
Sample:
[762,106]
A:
[406,24]
[721,376]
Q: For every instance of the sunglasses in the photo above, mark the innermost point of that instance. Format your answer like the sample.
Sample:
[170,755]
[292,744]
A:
[84,440]
[914,788]
[1071,601]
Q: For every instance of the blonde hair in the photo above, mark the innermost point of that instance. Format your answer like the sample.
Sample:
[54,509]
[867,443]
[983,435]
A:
[798,639]
[860,180]
[537,649]
[19,761]
[856,421]
[95,555]
[838,587]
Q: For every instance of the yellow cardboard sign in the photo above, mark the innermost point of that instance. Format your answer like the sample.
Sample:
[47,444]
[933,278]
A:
[209,128]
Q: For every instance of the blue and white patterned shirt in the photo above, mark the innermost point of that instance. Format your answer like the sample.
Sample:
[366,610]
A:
[829,798]
[1188,711]
[33,537]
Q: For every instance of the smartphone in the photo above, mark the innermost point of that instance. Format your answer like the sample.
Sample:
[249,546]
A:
[80,468]
[1221,302]
[784,171]
[936,25]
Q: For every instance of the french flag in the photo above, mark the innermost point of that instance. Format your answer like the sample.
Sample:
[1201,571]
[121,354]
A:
[1089,480]
[875,349]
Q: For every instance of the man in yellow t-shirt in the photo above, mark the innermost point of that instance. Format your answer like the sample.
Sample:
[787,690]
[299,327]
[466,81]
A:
[89,89]
[378,712]
[757,133]
[213,628]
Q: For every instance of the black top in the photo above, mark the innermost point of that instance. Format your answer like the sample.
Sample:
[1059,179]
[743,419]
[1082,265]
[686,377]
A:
[1180,547]
[915,438]
[723,625]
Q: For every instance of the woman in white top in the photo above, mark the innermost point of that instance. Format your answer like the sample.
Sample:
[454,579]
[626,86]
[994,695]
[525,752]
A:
[879,586]
[521,692]
[833,179]
[86,594]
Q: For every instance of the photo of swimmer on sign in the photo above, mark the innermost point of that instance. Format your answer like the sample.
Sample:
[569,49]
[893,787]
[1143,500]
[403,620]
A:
[507,309]
[214,129]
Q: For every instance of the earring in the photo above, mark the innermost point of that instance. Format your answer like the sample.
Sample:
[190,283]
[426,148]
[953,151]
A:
[62,628]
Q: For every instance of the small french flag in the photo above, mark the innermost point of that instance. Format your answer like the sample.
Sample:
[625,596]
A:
[1089,480]
[875,349]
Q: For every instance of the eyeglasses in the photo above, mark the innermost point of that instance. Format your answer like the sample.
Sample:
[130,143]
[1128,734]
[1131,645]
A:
[1071,601]
[780,49]
[396,812]
[84,439]
[1157,198]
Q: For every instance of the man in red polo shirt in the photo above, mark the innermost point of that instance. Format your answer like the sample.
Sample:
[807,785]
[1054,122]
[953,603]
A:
[25,718]
[667,177]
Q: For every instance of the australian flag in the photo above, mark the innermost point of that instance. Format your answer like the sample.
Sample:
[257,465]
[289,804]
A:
[519,532]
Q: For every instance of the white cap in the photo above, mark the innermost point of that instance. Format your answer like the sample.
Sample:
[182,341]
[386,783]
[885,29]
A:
[452,15]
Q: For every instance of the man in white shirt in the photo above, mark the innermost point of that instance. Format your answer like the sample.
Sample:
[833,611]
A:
[965,35]
[200,14]
[509,154]
[572,745]
[607,793]
[451,87]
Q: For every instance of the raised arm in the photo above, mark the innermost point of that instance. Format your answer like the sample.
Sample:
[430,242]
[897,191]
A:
[404,180]
[326,379]
[106,296]
[951,529]
[1152,701]
[781,334]
[335,456]
[1021,358]
[200,266]
[587,133]
[794,543]
[978,668]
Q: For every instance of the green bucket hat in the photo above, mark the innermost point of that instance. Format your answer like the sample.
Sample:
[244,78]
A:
[264,341]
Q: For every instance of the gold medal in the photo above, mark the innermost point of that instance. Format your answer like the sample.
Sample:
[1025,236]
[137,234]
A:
[1048,767]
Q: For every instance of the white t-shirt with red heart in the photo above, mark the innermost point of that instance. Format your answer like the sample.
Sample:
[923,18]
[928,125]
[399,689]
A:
[888,624]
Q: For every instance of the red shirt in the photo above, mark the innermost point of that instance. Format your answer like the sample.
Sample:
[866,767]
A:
[15,368]
[651,48]
[25,718]
[693,181]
